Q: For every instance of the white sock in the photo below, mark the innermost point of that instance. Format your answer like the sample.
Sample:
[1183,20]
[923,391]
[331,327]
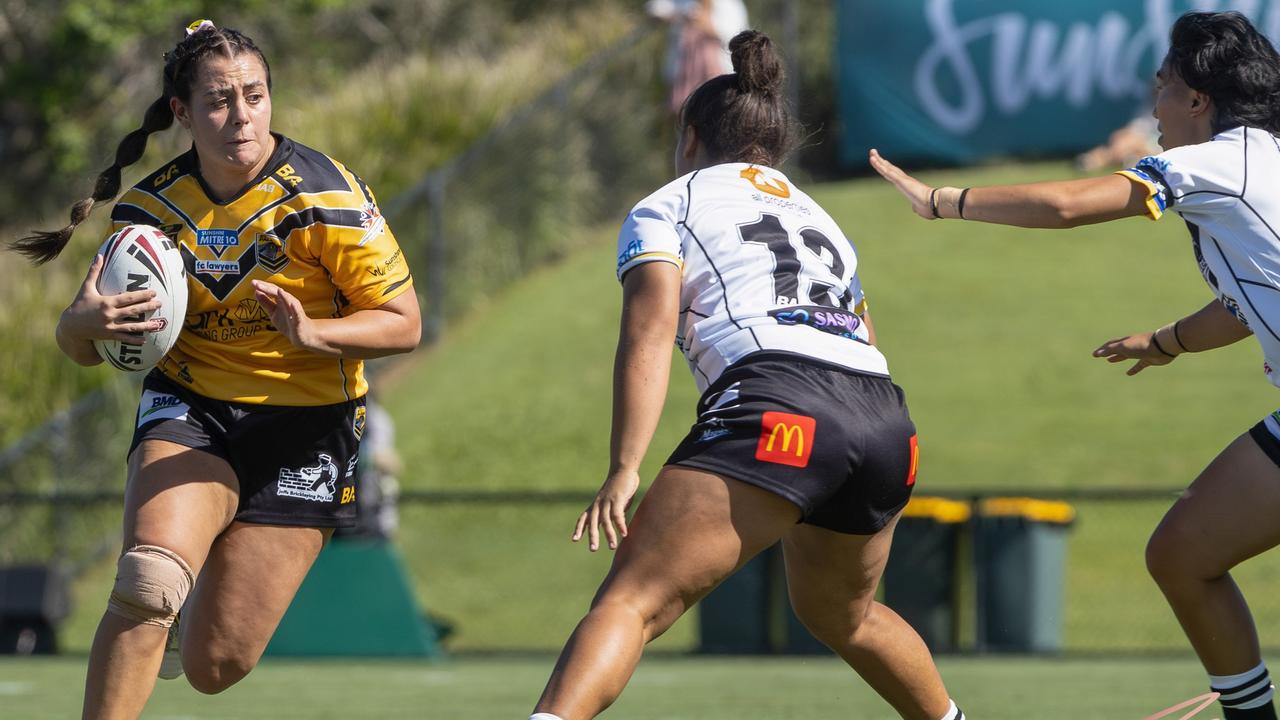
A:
[544,716]
[1245,691]
[952,713]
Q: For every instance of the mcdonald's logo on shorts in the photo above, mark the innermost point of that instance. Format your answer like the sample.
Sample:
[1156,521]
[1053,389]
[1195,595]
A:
[786,439]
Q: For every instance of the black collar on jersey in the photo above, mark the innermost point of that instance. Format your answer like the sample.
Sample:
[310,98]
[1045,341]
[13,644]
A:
[283,151]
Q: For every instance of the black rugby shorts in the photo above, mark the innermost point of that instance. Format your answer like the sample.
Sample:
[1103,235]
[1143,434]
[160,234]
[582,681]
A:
[838,444]
[296,465]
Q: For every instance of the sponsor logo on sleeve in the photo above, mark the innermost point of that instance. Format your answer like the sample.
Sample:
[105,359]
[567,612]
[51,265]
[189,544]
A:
[315,483]
[633,249]
[385,267]
[372,221]
[786,439]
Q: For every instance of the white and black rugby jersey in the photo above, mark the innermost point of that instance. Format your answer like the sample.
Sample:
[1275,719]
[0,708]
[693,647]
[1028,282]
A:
[764,268]
[1227,192]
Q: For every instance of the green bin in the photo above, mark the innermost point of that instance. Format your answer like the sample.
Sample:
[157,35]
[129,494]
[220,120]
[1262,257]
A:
[920,579]
[1021,553]
[736,617]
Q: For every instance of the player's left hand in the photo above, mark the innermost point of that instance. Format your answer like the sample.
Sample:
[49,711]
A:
[286,314]
[1133,347]
[608,510]
[914,190]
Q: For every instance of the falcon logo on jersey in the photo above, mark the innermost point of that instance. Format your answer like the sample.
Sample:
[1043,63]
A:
[271,253]
[786,439]
[764,183]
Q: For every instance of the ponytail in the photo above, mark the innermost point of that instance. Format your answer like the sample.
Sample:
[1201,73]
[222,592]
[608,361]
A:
[743,116]
[42,246]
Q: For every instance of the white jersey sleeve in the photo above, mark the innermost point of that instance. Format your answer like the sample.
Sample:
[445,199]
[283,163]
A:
[650,234]
[1205,179]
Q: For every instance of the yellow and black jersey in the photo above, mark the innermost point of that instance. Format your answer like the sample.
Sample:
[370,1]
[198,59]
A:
[307,224]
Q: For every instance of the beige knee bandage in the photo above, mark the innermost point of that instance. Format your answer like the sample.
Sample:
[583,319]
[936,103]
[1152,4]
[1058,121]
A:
[151,585]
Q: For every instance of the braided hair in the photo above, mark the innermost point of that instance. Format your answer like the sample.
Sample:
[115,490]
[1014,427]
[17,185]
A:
[180,68]
[743,116]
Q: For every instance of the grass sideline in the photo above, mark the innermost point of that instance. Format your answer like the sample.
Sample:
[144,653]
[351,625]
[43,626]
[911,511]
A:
[664,688]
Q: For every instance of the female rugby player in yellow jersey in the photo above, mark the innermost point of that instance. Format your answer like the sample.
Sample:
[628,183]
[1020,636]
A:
[801,436]
[1218,107]
[247,434]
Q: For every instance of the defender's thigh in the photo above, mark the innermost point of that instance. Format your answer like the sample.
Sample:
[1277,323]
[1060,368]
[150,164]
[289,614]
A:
[1230,513]
[251,576]
[692,529]
[832,576]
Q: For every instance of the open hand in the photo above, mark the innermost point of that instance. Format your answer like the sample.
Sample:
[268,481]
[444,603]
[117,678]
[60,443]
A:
[608,510]
[1133,347]
[915,191]
[94,316]
[287,314]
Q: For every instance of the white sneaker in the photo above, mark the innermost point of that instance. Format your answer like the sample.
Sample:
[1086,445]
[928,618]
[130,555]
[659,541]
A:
[171,664]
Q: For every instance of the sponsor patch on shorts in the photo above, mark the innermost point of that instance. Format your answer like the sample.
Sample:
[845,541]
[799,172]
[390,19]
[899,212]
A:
[786,439]
[160,406]
[316,483]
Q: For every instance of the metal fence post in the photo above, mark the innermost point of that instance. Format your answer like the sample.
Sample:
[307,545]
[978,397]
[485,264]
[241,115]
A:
[436,257]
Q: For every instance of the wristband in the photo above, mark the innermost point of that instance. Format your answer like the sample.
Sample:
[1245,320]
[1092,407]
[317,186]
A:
[933,203]
[960,202]
[1156,341]
[1178,338]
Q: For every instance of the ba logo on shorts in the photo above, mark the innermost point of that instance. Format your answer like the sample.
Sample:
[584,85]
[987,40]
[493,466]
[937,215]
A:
[786,439]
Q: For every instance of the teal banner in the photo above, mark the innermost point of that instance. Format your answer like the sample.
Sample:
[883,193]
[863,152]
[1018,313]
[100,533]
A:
[957,81]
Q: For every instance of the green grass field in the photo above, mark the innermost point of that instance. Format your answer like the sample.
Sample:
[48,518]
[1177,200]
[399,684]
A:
[664,688]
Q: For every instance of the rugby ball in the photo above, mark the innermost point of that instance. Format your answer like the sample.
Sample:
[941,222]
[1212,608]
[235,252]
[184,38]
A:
[140,257]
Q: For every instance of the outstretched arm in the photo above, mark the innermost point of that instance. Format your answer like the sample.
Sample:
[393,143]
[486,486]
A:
[1055,204]
[1210,327]
[642,366]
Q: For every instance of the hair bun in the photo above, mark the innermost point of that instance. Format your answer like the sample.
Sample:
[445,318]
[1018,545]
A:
[756,63]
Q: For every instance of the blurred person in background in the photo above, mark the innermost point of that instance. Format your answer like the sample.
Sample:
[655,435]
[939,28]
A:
[698,46]
[248,431]
[1218,107]
[801,436]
